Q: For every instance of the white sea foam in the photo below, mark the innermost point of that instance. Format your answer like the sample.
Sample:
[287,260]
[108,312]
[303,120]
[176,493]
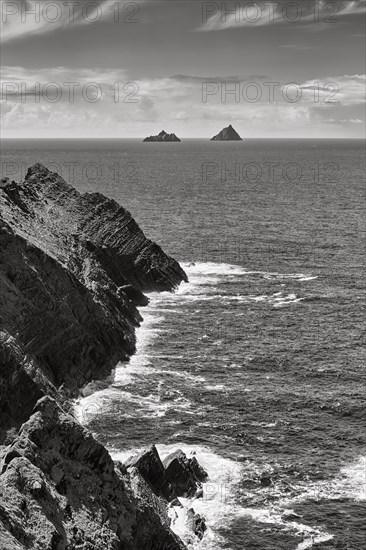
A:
[218,502]
[213,268]
[204,269]
[218,505]
[216,387]
[349,483]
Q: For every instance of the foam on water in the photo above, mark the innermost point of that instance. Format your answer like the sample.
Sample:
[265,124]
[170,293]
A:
[202,270]
[350,483]
[218,502]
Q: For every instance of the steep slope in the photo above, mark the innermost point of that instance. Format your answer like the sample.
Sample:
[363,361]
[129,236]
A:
[61,490]
[227,134]
[72,267]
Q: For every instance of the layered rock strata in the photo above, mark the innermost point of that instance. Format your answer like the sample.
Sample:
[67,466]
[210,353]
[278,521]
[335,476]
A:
[73,268]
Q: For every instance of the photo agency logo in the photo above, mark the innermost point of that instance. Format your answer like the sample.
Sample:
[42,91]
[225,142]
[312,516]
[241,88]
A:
[239,14]
[269,173]
[68,92]
[75,172]
[232,91]
[67,12]
[55,85]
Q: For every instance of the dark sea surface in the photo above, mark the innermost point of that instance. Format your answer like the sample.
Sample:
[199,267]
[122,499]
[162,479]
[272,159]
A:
[258,363]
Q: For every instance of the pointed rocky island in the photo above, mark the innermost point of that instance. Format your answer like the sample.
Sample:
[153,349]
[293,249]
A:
[227,134]
[163,136]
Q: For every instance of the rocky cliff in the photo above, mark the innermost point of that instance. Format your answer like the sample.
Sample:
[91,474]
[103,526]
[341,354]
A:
[60,490]
[73,267]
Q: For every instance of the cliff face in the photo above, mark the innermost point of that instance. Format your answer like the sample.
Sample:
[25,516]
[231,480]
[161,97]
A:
[60,490]
[72,268]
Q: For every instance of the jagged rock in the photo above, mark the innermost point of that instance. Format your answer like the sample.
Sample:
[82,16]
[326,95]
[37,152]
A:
[64,257]
[149,465]
[184,475]
[177,476]
[162,136]
[196,523]
[137,297]
[60,489]
[227,134]
[72,268]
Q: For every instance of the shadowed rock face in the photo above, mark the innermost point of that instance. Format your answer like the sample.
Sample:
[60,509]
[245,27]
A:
[177,476]
[72,269]
[60,489]
[227,134]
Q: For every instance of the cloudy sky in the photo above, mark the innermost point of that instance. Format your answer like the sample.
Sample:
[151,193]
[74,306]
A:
[113,68]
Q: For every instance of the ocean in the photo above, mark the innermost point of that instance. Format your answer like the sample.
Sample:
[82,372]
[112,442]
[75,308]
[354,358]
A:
[257,364]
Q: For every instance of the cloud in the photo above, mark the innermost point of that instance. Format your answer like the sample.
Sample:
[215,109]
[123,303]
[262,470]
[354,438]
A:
[346,90]
[23,18]
[259,14]
[203,79]
[148,105]
[18,83]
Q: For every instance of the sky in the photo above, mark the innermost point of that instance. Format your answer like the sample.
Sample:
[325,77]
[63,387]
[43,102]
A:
[118,68]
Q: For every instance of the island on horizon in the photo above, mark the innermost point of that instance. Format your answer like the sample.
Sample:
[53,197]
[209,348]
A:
[227,134]
[163,136]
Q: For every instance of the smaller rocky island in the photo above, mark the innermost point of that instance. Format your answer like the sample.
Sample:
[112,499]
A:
[163,136]
[227,134]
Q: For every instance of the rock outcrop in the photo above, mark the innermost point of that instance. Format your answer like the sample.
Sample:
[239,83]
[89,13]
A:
[177,476]
[183,475]
[227,134]
[73,267]
[60,489]
[163,136]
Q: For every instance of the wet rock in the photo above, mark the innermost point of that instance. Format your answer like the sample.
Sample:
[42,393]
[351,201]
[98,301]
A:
[137,297]
[184,475]
[196,523]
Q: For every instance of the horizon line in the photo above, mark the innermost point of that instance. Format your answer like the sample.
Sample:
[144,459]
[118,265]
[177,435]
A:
[181,139]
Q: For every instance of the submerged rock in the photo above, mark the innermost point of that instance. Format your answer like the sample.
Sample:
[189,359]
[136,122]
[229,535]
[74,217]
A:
[227,134]
[162,136]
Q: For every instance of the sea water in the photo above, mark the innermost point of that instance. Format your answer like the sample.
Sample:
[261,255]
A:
[256,365]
